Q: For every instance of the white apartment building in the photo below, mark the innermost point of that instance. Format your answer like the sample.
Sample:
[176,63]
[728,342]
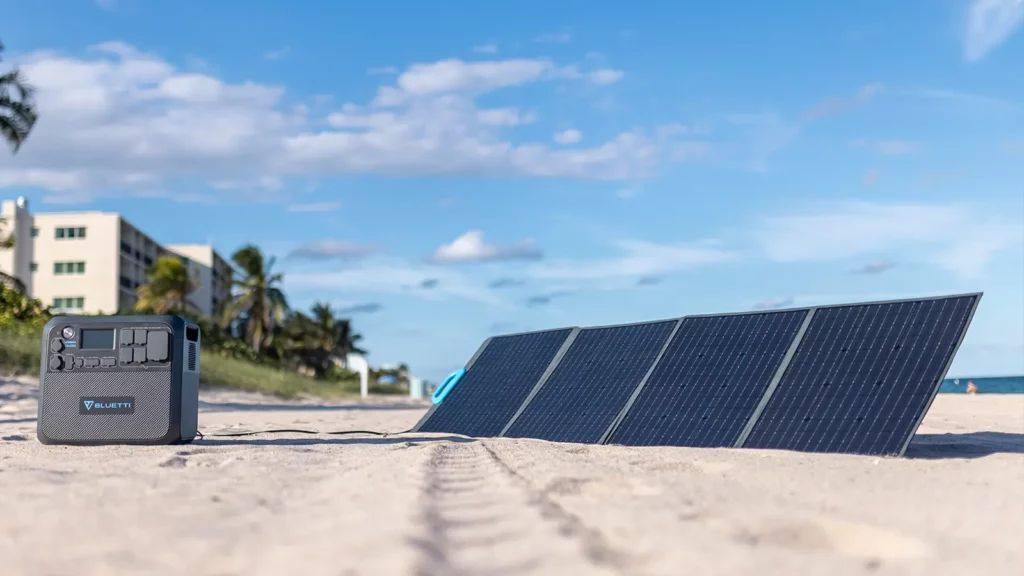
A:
[92,262]
[211,270]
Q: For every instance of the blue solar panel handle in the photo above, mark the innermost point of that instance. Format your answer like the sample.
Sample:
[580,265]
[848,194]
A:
[446,386]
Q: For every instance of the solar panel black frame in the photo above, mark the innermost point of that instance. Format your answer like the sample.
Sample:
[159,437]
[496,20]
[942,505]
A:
[467,382]
[932,393]
[672,324]
[748,368]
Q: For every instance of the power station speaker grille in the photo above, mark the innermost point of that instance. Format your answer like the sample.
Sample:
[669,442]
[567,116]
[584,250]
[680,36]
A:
[119,380]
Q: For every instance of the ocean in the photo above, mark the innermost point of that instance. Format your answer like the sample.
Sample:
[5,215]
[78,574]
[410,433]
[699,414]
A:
[986,385]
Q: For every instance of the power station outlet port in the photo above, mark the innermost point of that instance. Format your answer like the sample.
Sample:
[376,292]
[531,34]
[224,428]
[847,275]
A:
[192,333]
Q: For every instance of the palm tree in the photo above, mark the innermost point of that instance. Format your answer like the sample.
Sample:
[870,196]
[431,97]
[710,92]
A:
[260,303]
[335,333]
[17,107]
[168,288]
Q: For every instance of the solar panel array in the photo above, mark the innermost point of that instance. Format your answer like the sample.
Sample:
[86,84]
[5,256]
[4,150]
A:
[496,383]
[592,383]
[855,378]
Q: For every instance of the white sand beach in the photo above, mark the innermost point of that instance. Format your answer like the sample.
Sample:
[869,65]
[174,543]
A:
[435,504]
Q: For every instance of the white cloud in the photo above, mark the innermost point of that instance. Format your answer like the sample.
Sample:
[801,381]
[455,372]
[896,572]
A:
[277,53]
[887,147]
[332,250]
[471,247]
[392,276]
[956,237]
[606,76]
[570,136]
[486,49]
[315,207]
[773,303]
[989,24]
[557,38]
[120,121]
[456,75]
[639,259]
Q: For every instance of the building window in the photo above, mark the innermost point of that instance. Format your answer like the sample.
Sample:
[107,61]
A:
[35,266]
[62,233]
[68,268]
[77,303]
[35,231]
[126,248]
[126,282]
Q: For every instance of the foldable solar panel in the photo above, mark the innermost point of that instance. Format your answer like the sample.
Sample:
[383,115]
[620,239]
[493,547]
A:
[863,376]
[710,380]
[592,383]
[497,381]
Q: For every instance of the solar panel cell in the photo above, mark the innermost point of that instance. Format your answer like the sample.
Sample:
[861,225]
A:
[496,384]
[710,380]
[863,376]
[592,383]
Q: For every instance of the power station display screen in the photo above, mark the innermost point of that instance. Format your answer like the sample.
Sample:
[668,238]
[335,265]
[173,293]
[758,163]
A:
[96,339]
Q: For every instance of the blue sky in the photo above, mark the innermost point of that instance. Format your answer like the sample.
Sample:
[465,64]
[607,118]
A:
[448,171]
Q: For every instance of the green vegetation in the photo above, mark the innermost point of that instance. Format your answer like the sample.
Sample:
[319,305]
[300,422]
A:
[255,342]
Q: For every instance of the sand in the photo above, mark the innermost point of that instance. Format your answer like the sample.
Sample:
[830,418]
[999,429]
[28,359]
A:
[436,504]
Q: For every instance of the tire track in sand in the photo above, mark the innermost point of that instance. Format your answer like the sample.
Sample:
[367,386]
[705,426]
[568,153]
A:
[479,517]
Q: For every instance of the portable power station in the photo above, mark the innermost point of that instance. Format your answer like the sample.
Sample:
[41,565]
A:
[119,380]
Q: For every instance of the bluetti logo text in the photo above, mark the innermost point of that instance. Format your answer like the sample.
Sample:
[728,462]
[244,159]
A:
[107,405]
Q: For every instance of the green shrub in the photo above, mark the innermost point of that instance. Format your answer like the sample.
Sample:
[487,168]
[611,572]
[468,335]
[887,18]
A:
[21,343]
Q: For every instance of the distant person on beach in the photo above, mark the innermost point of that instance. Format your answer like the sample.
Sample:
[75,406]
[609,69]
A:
[972,388]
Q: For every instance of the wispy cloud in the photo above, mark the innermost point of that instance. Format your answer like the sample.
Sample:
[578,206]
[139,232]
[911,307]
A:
[315,207]
[570,136]
[382,71]
[486,49]
[648,281]
[107,4]
[989,23]
[887,147]
[332,250]
[277,53]
[606,76]
[876,267]
[638,259]
[839,105]
[556,38]
[773,303]
[506,283]
[367,308]
[870,178]
[471,247]
[545,299]
[920,232]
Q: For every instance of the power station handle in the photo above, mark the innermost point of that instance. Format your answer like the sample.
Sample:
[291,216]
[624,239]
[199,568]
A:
[446,386]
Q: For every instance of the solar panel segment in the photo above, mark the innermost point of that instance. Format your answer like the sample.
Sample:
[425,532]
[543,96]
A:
[863,376]
[592,383]
[710,380]
[495,384]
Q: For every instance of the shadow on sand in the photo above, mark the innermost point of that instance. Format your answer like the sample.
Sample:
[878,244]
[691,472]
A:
[246,407]
[969,445]
[373,440]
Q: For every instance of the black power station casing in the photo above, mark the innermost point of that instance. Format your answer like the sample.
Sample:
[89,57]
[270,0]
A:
[119,380]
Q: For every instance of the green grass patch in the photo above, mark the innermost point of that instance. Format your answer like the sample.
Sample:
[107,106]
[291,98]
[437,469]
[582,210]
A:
[20,348]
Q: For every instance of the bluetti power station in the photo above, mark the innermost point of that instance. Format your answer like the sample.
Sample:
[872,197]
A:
[119,380]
